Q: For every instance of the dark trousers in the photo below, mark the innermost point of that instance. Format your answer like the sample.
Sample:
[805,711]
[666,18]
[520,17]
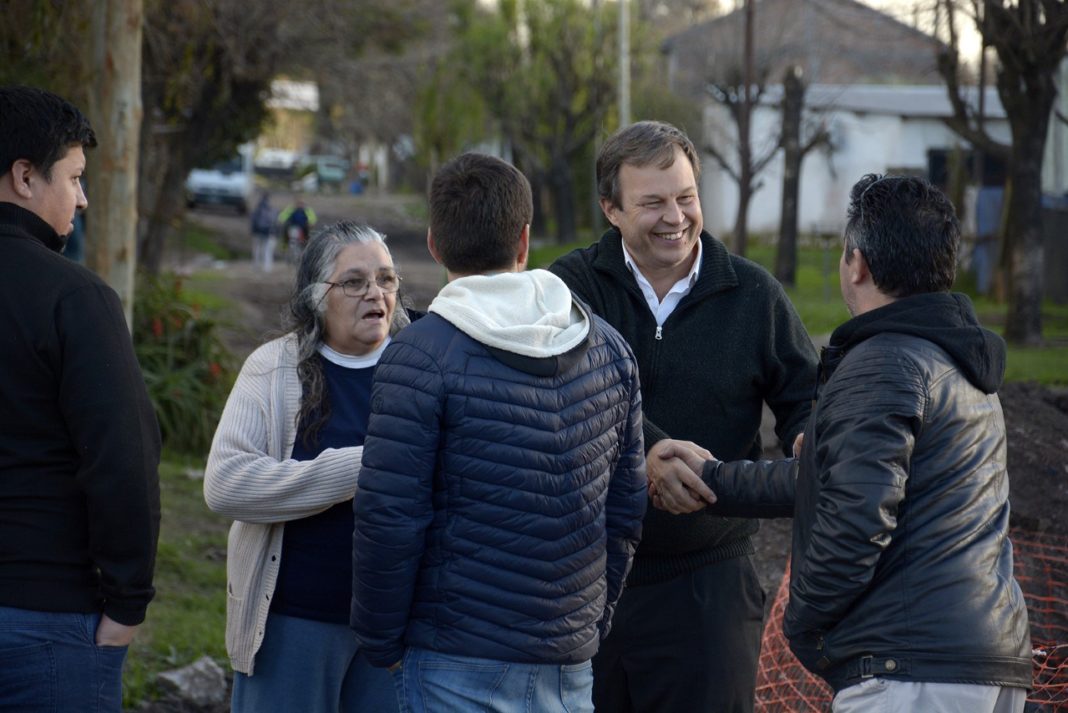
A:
[687,645]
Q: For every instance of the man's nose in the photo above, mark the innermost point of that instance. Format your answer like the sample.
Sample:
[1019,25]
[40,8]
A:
[673,213]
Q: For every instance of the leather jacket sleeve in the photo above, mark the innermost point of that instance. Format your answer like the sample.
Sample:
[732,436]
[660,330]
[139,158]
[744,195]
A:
[865,430]
[752,488]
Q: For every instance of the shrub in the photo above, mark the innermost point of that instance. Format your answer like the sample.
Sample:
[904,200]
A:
[187,369]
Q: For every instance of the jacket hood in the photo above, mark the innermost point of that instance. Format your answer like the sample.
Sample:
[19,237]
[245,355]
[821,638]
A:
[528,319]
[945,319]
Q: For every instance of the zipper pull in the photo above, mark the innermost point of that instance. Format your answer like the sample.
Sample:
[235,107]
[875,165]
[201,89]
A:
[659,332]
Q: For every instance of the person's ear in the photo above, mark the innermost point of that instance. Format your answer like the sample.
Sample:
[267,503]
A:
[21,172]
[609,209]
[433,248]
[857,268]
[524,249]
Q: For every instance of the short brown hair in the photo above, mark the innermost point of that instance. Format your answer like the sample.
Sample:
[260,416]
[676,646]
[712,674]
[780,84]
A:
[479,205]
[641,144]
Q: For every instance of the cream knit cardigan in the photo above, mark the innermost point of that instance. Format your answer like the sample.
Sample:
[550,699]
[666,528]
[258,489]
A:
[251,478]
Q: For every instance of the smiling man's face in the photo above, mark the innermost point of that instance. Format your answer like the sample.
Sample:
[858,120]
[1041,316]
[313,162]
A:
[659,216]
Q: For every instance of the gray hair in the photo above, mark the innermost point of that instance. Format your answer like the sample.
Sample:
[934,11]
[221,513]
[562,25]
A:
[306,317]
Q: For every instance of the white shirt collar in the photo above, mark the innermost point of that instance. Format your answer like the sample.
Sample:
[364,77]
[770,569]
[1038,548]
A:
[353,362]
[662,309]
[690,279]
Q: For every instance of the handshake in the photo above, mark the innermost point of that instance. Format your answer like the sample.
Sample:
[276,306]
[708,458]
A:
[674,469]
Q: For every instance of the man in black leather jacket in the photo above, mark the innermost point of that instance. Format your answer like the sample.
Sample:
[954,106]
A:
[902,594]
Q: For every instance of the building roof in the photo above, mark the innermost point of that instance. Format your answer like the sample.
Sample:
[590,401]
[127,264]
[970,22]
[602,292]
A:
[913,101]
[834,41]
[291,94]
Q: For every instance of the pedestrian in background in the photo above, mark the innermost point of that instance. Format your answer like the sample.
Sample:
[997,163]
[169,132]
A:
[262,225]
[297,219]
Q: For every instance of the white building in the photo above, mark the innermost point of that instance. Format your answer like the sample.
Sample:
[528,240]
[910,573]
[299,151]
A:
[873,129]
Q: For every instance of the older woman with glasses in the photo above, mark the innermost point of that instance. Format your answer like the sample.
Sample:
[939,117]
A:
[284,466]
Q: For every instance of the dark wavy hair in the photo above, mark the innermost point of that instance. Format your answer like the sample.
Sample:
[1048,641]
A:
[306,318]
[907,231]
[40,127]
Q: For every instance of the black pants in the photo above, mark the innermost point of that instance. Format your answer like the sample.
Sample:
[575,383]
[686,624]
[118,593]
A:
[688,645]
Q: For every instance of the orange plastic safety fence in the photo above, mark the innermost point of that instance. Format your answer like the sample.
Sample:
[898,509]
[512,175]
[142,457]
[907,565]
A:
[1041,559]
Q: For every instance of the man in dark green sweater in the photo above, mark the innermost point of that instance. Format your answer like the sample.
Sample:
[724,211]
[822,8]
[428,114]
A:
[716,338]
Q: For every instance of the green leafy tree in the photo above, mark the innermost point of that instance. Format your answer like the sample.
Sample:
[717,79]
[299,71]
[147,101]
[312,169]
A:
[545,73]
[449,114]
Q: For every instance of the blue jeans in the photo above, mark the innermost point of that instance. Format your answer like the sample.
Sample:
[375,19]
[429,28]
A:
[314,666]
[50,663]
[429,682]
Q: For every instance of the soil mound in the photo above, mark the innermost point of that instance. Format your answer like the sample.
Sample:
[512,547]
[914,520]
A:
[1036,418]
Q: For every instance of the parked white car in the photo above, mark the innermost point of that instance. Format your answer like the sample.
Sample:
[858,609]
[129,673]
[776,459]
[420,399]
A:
[228,182]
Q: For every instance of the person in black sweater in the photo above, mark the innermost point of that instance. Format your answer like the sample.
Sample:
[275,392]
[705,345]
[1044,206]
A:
[79,442]
[716,338]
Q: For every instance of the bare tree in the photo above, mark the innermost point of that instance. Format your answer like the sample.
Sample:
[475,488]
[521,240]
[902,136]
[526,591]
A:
[738,82]
[1029,38]
[795,148]
[736,155]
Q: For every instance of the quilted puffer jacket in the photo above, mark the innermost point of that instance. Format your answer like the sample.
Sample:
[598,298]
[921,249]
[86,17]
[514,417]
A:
[901,564]
[503,482]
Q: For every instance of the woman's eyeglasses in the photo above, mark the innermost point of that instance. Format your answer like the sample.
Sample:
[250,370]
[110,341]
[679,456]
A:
[388,282]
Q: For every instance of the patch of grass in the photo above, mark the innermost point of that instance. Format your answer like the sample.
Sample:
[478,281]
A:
[194,238]
[1046,365]
[187,619]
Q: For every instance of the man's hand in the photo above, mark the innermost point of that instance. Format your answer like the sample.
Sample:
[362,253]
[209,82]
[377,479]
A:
[111,633]
[674,470]
[797,444]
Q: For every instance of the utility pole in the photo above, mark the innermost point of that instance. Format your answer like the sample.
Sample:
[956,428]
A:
[624,63]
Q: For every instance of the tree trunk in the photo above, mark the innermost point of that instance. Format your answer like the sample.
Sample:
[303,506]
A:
[1023,234]
[786,256]
[745,148]
[745,193]
[563,200]
[164,213]
[115,110]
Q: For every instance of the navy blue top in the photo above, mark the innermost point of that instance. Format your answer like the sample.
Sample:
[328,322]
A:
[315,576]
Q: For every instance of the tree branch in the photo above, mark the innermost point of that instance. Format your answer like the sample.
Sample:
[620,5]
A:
[963,120]
[722,161]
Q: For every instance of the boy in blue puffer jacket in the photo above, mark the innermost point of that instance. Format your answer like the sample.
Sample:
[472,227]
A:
[503,483]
